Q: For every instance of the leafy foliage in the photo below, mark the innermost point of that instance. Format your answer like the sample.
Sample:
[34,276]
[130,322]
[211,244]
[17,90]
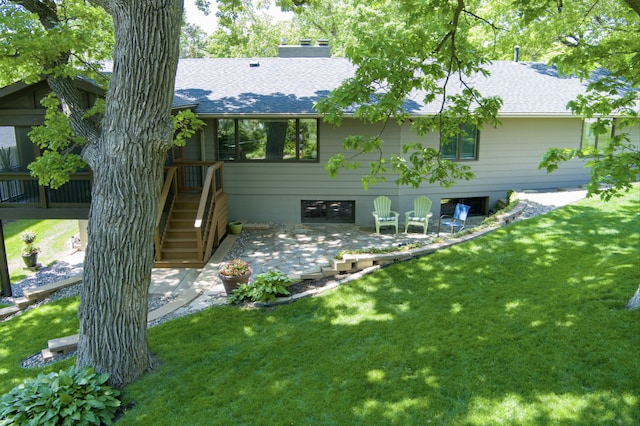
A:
[6,158]
[584,39]
[415,48]
[235,268]
[265,287]
[186,124]
[72,396]
[83,33]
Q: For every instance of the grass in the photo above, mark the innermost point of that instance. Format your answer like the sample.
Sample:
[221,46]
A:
[27,334]
[526,325]
[52,239]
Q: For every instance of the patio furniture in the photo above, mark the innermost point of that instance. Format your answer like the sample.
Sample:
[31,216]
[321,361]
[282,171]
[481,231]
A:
[458,220]
[383,214]
[420,214]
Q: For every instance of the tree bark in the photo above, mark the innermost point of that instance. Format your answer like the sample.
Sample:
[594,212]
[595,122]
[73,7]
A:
[127,163]
[634,302]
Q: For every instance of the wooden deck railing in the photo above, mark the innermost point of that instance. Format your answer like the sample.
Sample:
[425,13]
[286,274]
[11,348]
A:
[212,195]
[182,182]
[167,199]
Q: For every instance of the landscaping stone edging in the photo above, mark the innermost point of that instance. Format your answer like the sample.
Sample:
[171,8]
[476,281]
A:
[377,261]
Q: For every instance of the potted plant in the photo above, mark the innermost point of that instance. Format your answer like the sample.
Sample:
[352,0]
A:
[235,227]
[29,250]
[234,273]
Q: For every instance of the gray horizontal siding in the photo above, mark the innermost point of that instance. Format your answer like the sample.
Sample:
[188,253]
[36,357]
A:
[508,159]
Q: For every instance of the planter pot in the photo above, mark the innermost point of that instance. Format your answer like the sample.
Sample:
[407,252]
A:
[231,283]
[31,260]
[235,227]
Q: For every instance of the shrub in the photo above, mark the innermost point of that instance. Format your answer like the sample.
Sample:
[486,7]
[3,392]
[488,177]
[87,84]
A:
[265,287]
[78,397]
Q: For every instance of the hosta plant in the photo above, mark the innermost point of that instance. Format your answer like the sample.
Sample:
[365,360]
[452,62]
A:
[68,397]
[265,287]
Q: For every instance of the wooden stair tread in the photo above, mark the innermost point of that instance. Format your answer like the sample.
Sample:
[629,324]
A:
[179,242]
[179,250]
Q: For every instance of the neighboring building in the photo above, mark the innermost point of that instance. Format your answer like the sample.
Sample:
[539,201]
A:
[260,120]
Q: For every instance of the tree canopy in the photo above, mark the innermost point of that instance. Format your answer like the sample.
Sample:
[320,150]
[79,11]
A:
[398,47]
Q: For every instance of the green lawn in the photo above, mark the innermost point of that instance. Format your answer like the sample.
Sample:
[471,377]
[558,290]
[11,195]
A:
[526,325]
[53,237]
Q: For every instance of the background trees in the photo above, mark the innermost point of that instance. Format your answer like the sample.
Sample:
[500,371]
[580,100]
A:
[598,41]
[398,47]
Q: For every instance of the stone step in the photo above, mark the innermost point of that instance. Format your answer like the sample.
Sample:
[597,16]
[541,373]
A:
[41,292]
[328,271]
[8,311]
[47,355]
[63,345]
[23,302]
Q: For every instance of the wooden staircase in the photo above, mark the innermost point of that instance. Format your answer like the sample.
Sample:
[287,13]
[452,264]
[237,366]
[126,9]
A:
[179,245]
[195,223]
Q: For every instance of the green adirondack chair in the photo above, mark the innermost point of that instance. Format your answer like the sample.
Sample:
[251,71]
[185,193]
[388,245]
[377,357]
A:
[383,214]
[420,214]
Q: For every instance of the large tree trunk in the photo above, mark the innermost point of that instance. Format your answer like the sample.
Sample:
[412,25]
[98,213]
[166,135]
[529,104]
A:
[127,163]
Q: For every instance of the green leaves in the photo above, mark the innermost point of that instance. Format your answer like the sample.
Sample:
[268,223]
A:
[75,30]
[186,124]
[72,396]
[425,164]
[266,287]
[404,51]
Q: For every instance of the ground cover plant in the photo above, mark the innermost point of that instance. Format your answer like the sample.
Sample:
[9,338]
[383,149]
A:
[525,325]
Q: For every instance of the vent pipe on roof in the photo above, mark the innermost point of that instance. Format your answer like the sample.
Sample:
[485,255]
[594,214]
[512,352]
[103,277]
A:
[516,54]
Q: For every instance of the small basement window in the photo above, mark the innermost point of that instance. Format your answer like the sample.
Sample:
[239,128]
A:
[478,205]
[322,211]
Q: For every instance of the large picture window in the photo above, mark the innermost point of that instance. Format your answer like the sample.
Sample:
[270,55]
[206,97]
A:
[293,139]
[463,146]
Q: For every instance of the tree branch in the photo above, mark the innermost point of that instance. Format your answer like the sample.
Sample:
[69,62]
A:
[63,87]
[635,5]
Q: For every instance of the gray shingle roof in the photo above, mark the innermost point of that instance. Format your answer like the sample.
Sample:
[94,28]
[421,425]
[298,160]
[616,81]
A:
[292,85]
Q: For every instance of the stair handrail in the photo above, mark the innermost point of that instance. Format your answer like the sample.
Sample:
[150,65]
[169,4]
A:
[169,181]
[202,207]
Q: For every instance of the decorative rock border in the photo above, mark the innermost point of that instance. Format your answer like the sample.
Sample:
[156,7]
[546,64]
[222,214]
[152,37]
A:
[358,265]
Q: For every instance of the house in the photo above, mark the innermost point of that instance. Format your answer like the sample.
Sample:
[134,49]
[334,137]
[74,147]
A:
[242,100]
[261,123]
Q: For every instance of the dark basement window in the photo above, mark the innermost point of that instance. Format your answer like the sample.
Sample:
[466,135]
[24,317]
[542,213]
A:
[322,211]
